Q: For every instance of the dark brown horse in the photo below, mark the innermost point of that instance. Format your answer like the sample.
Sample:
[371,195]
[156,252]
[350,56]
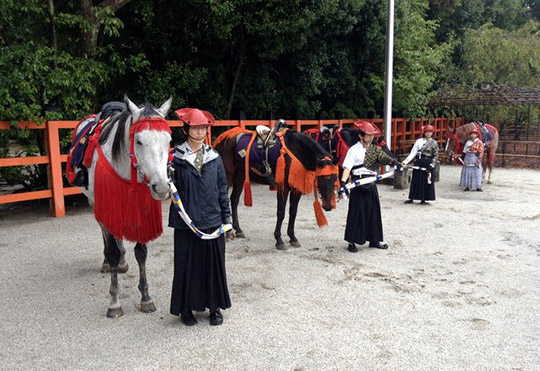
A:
[456,139]
[300,167]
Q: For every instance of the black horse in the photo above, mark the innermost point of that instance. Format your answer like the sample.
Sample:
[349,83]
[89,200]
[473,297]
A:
[338,141]
[300,152]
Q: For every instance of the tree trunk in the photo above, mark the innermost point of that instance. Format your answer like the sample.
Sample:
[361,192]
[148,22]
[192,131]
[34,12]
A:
[91,35]
[54,40]
[237,74]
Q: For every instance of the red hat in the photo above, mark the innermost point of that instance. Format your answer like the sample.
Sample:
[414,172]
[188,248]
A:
[195,117]
[427,128]
[367,127]
[474,131]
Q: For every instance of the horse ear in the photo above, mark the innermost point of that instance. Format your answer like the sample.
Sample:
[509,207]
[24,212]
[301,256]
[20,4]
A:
[131,107]
[165,107]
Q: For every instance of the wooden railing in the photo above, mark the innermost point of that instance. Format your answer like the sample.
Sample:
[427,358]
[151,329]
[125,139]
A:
[404,133]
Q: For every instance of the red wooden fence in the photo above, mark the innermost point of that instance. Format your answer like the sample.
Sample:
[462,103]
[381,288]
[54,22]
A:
[404,133]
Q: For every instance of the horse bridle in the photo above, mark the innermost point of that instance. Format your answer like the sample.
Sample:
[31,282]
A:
[144,123]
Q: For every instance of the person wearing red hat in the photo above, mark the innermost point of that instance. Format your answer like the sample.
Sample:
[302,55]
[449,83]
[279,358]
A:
[364,221]
[425,152]
[200,280]
[471,173]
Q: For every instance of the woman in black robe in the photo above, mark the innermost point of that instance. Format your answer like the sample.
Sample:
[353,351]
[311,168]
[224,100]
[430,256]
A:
[200,280]
[364,222]
[425,153]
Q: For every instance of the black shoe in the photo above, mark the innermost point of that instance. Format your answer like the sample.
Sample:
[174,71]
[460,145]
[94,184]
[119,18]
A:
[352,248]
[216,318]
[480,190]
[423,202]
[466,189]
[378,245]
[188,319]
[408,202]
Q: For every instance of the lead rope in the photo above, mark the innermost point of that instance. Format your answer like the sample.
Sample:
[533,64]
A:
[185,217]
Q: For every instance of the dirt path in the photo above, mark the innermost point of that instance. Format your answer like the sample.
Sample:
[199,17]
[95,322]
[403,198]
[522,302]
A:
[458,289]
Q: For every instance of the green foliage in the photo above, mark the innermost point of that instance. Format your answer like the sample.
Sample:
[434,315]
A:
[495,56]
[292,58]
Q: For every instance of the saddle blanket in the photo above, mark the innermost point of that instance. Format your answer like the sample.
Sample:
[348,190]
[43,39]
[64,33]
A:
[256,155]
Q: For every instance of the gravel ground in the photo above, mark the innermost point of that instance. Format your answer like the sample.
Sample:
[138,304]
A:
[458,289]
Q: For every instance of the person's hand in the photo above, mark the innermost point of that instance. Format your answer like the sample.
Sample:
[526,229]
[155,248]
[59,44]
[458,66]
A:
[432,166]
[398,165]
[343,191]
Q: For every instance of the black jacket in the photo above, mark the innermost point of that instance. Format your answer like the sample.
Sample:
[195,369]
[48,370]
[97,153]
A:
[203,195]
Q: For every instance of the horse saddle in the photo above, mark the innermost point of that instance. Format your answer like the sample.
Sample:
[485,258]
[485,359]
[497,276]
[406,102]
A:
[485,133]
[77,162]
[265,137]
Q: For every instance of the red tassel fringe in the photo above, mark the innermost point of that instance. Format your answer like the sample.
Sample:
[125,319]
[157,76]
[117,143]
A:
[248,200]
[127,213]
[319,213]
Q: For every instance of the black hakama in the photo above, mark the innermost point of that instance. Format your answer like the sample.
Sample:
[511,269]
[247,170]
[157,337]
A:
[199,279]
[364,216]
[420,189]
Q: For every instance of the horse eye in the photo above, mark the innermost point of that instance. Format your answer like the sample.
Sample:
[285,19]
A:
[139,142]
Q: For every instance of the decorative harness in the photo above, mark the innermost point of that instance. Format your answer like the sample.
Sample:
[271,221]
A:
[126,207]
[302,179]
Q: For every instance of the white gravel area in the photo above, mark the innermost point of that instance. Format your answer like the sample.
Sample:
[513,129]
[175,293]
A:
[459,289]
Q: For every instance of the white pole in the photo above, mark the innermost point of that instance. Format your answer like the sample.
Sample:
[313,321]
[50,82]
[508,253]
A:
[389,56]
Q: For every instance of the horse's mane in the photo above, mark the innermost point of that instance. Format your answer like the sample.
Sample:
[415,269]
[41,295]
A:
[303,147]
[349,136]
[120,121]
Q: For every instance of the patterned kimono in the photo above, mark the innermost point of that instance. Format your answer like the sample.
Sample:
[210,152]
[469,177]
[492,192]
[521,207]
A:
[471,173]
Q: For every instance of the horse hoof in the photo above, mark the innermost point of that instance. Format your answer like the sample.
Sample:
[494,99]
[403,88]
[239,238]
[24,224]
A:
[240,235]
[295,243]
[281,246]
[147,307]
[115,312]
[489,182]
[123,268]
[105,268]
[230,235]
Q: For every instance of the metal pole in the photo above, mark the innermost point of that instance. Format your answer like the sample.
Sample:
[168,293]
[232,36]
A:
[389,56]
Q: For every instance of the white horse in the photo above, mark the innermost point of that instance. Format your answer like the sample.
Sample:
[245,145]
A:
[147,159]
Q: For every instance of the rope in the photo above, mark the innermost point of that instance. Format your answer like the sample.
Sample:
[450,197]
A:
[185,217]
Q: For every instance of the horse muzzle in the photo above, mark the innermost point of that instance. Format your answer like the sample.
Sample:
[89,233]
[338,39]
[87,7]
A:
[160,191]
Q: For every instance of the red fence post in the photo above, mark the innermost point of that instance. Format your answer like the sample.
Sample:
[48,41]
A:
[57,206]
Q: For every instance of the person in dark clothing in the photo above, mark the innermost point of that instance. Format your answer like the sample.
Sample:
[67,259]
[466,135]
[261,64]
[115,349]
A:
[364,222]
[425,152]
[199,264]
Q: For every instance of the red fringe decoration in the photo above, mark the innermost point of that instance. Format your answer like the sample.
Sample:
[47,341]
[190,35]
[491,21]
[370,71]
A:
[300,178]
[231,134]
[126,211]
[319,213]
[248,201]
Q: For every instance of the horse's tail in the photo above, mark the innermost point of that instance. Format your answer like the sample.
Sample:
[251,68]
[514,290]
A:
[232,133]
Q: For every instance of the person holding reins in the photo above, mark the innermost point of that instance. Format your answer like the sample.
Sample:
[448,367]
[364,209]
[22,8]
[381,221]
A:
[200,280]
[364,221]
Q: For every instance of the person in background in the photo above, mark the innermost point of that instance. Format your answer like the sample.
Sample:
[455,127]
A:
[200,280]
[425,152]
[471,173]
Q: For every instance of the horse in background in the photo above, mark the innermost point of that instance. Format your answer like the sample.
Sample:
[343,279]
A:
[299,165]
[456,139]
[337,141]
[127,179]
